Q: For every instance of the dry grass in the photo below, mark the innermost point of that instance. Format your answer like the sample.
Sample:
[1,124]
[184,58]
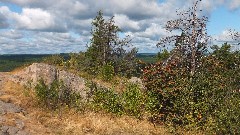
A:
[15,94]
[40,121]
[96,123]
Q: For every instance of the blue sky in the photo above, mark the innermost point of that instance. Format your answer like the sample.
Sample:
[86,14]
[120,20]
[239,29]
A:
[60,26]
[12,7]
[222,18]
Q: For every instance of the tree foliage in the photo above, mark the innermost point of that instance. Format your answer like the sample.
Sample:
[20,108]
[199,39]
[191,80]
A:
[194,88]
[199,102]
[192,42]
[107,48]
[164,55]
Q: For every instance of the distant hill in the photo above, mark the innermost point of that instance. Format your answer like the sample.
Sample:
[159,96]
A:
[8,62]
[147,57]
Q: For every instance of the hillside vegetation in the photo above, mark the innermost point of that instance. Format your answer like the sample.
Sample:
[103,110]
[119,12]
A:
[192,89]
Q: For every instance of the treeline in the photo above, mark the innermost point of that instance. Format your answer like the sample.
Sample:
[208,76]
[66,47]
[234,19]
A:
[10,62]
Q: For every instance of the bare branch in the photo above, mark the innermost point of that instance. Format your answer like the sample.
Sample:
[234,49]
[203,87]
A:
[194,38]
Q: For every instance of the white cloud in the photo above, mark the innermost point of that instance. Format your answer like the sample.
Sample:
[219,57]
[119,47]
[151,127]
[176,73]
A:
[45,24]
[34,19]
[234,4]
[3,20]
[11,34]
[41,42]
[125,23]
[154,31]
[225,37]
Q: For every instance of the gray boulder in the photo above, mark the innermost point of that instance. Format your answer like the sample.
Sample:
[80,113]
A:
[49,73]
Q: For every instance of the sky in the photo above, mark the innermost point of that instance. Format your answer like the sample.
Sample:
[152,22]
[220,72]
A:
[63,26]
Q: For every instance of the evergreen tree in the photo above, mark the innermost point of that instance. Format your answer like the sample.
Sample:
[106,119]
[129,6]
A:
[107,48]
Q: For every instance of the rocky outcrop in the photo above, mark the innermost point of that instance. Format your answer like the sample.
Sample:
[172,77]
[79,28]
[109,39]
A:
[38,71]
[49,73]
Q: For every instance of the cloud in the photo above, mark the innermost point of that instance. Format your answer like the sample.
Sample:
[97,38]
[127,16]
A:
[31,3]
[41,42]
[11,34]
[154,32]
[31,19]
[3,20]
[234,4]
[36,19]
[65,25]
[226,37]
[125,23]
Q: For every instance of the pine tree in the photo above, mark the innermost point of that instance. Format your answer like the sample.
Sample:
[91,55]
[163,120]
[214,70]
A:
[107,48]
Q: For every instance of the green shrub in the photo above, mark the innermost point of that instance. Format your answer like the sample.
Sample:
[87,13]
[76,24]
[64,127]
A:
[133,100]
[227,116]
[130,102]
[153,104]
[222,70]
[206,101]
[56,95]
[107,72]
[106,99]
[54,60]
[41,90]
[164,85]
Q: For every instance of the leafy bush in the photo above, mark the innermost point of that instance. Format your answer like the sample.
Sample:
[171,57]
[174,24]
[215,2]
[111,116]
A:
[133,100]
[56,95]
[41,91]
[130,102]
[153,105]
[227,115]
[54,60]
[158,76]
[223,67]
[164,55]
[107,72]
[164,83]
[205,101]
[106,99]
